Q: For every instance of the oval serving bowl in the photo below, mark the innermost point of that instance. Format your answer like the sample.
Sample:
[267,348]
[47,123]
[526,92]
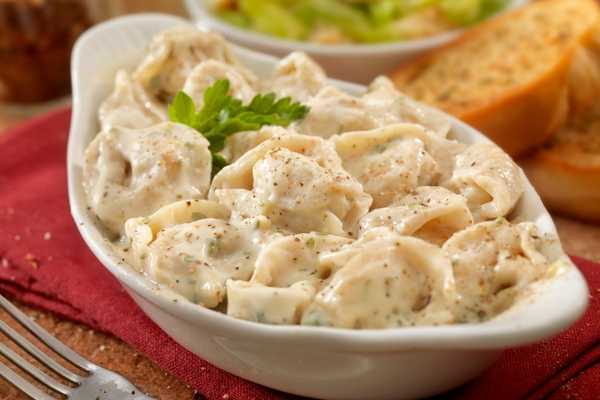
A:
[352,62]
[310,361]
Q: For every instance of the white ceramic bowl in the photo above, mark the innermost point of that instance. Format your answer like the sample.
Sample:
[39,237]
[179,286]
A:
[311,361]
[352,62]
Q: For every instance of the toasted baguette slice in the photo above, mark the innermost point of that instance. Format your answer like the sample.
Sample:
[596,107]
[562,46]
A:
[508,77]
[584,77]
[566,171]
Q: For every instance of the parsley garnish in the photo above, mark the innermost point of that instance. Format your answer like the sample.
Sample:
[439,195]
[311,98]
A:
[223,115]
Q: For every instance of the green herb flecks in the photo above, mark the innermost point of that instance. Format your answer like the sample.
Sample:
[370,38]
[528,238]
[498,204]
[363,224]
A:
[213,247]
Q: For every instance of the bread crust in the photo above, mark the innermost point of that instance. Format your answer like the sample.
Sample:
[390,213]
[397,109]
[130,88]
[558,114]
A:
[566,186]
[523,117]
[584,76]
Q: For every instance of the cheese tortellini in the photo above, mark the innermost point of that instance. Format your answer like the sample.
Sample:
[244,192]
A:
[297,76]
[385,281]
[298,182]
[487,177]
[238,144]
[207,72]
[365,214]
[394,160]
[193,249]
[133,172]
[286,277]
[129,106]
[431,213]
[492,262]
[173,54]
[295,258]
[390,106]
[334,112]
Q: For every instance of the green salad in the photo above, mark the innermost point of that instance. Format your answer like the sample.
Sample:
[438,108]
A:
[354,21]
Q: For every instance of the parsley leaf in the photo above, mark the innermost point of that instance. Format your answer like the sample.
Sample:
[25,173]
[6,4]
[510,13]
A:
[182,109]
[223,115]
[218,163]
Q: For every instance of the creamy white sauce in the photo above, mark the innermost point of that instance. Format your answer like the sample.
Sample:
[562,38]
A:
[361,215]
[133,172]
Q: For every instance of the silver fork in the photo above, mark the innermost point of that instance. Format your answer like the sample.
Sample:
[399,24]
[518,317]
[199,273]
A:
[100,383]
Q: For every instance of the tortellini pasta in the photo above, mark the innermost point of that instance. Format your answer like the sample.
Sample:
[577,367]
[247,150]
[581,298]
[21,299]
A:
[142,231]
[488,178]
[385,282]
[286,277]
[297,182]
[365,214]
[194,250]
[238,144]
[334,112]
[174,53]
[431,213]
[133,172]
[295,258]
[255,302]
[207,72]
[390,106]
[494,261]
[297,76]
[129,106]
[394,160]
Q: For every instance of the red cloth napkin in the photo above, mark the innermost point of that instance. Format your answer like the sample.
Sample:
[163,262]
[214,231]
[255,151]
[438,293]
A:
[44,262]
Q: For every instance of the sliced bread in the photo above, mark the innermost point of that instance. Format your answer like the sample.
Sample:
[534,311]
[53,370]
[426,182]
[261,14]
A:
[509,77]
[566,171]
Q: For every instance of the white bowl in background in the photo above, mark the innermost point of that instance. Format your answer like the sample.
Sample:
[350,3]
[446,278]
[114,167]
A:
[317,362]
[352,62]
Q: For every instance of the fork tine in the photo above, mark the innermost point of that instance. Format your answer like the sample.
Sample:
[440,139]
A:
[38,354]
[33,371]
[46,338]
[22,384]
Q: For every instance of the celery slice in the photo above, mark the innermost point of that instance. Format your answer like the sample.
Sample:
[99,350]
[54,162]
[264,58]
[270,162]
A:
[350,20]
[461,12]
[272,18]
